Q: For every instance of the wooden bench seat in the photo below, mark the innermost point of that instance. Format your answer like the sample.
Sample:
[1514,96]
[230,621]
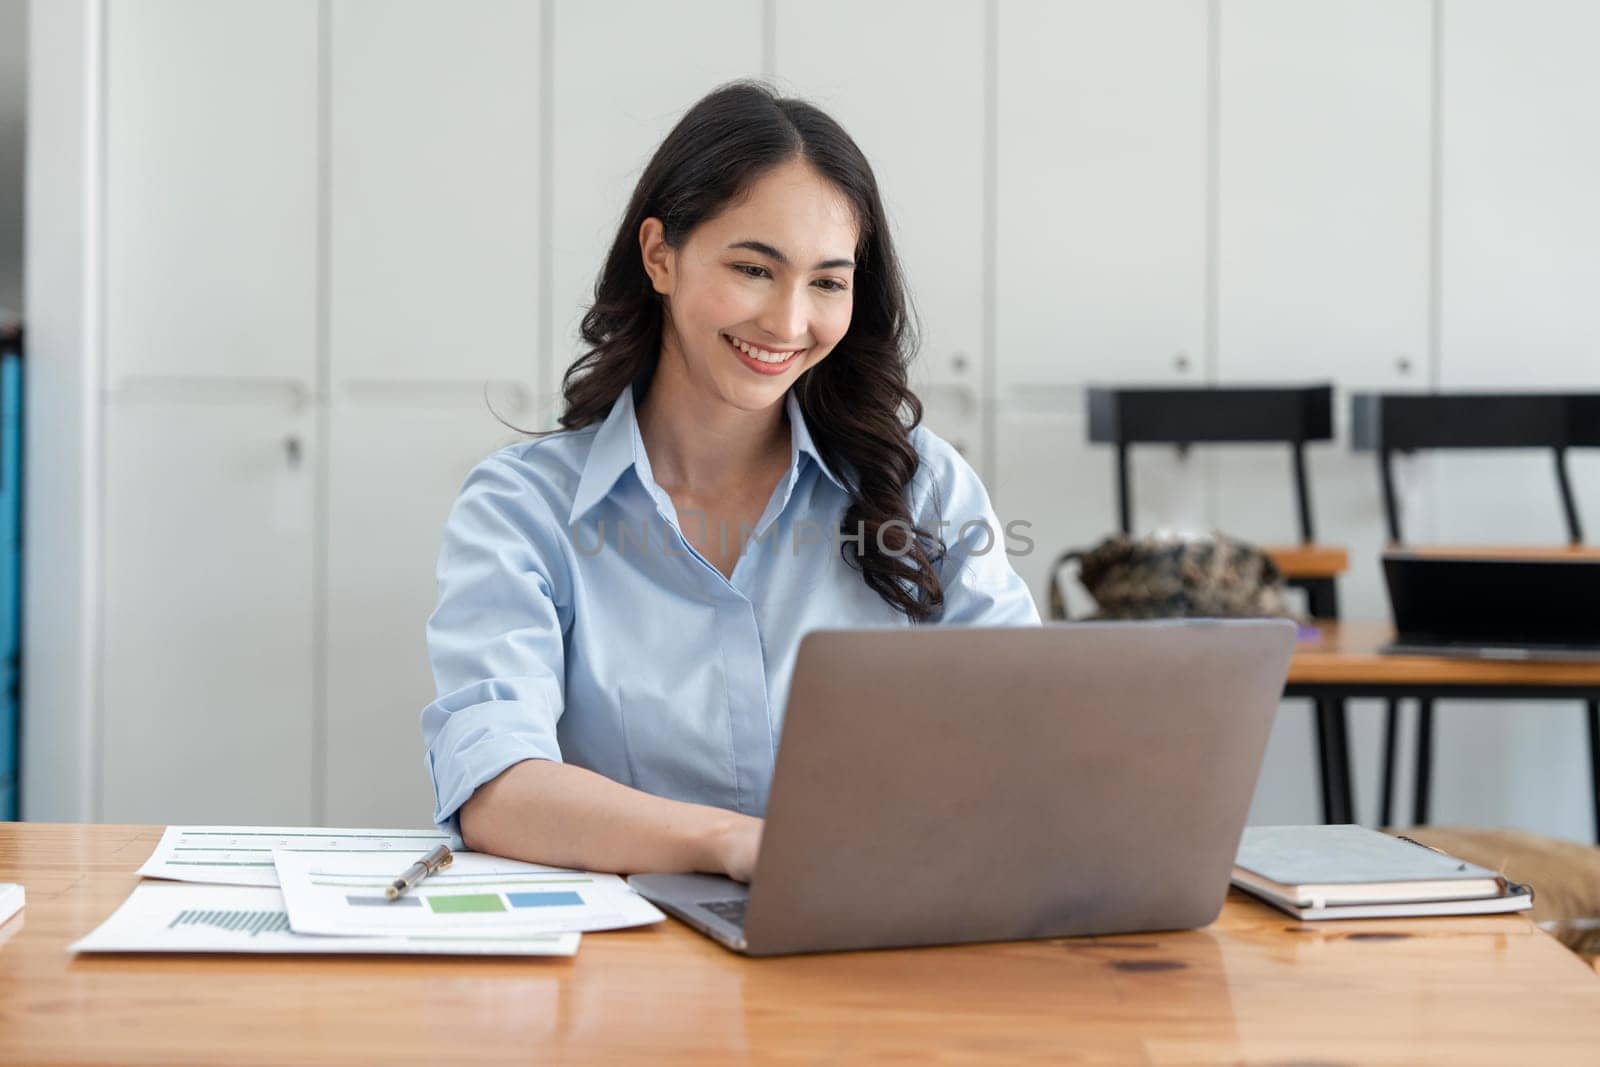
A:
[1565,876]
[1309,562]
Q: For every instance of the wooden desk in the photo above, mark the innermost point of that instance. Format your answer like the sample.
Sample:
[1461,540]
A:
[1347,655]
[1345,662]
[1256,986]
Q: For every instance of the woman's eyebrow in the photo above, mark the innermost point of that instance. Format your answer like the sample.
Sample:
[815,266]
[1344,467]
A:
[772,253]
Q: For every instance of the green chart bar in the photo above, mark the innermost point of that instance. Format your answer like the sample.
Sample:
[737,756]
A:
[464,902]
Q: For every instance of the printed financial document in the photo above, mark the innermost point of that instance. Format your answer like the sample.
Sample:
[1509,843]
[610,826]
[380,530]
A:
[242,855]
[159,917]
[342,894]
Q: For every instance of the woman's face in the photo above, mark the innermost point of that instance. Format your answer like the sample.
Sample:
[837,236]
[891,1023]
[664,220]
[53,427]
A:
[763,291]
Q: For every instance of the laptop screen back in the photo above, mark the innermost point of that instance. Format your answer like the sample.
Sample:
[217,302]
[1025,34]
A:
[1494,601]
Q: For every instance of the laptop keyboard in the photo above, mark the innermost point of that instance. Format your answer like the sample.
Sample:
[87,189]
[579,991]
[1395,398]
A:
[727,910]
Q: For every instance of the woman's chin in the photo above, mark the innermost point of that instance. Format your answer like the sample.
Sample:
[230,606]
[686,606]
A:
[750,392]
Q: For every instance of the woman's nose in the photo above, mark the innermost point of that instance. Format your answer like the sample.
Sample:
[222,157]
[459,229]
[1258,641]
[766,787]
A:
[784,317]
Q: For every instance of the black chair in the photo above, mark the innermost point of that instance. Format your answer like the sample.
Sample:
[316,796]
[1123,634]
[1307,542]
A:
[1391,423]
[1291,415]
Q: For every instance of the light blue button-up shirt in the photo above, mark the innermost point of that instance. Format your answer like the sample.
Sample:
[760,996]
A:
[576,623]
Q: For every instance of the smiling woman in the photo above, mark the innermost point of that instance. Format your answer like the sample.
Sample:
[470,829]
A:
[741,425]
[745,191]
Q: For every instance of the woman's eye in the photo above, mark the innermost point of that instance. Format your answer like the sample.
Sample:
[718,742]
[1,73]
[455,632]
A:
[750,270]
[832,285]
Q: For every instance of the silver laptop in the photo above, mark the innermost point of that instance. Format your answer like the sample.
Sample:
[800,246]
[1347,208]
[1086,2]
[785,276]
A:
[942,784]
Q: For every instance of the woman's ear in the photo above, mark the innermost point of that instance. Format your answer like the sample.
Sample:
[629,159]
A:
[660,261]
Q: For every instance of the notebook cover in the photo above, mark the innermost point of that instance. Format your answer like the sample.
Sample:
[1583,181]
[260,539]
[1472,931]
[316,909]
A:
[1518,898]
[1344,855]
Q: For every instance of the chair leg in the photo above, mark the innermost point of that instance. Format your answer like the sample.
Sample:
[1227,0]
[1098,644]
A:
[1391,739]
[1333,760]
[1419,801]
[1594,763]
[1341,748]
[1319,736]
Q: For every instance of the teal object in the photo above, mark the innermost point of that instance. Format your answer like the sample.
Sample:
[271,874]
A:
[10,576]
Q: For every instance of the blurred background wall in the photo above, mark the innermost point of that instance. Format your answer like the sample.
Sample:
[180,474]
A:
[293,245]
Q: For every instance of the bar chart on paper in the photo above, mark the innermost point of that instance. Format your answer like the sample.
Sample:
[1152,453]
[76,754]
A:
[344,895]
[172,917]
[465,897]
[233,920]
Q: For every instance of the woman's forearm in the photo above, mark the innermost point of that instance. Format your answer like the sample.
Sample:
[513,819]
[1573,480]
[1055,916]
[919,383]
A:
[565,816]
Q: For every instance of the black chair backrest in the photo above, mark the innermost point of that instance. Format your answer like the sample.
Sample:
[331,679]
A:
[1387,423]
[1288,415]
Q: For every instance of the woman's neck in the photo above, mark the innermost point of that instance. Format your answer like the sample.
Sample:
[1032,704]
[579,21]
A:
[699,443]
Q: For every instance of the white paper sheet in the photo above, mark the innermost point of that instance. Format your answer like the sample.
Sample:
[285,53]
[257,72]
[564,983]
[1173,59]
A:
[12,898]
[160,917]
[477,893]
[242,855]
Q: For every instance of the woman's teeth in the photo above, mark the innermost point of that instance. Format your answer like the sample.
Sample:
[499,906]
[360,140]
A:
[760,353]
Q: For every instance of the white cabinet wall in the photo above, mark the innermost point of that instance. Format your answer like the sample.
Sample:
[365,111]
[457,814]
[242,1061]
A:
[435,274]
[1324,110]
[211,189]
[434,190]
[279,677]
[209,435]
[1100,192]
[209,700]
[1519,221]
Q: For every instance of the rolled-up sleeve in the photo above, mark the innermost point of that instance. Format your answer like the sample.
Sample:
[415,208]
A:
[494,639]
[981,588]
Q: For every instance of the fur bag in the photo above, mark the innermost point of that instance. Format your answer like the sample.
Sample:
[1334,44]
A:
[1170,576]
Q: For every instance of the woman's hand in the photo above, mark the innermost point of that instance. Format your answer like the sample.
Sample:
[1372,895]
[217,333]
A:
[735,844]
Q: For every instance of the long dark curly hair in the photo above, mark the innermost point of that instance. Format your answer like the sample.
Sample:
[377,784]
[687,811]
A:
[856,402]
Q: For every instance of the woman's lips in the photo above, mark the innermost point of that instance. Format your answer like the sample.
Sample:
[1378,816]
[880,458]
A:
[757,365]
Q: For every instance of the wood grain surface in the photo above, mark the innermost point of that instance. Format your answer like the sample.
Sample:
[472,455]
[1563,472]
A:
[1254,987]
[1309,561]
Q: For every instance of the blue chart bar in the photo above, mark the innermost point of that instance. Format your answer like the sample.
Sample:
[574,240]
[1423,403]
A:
[545,900]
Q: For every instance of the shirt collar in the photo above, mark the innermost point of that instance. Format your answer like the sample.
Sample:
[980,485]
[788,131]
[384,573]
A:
[800,441]
[610,454]
[618,446]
